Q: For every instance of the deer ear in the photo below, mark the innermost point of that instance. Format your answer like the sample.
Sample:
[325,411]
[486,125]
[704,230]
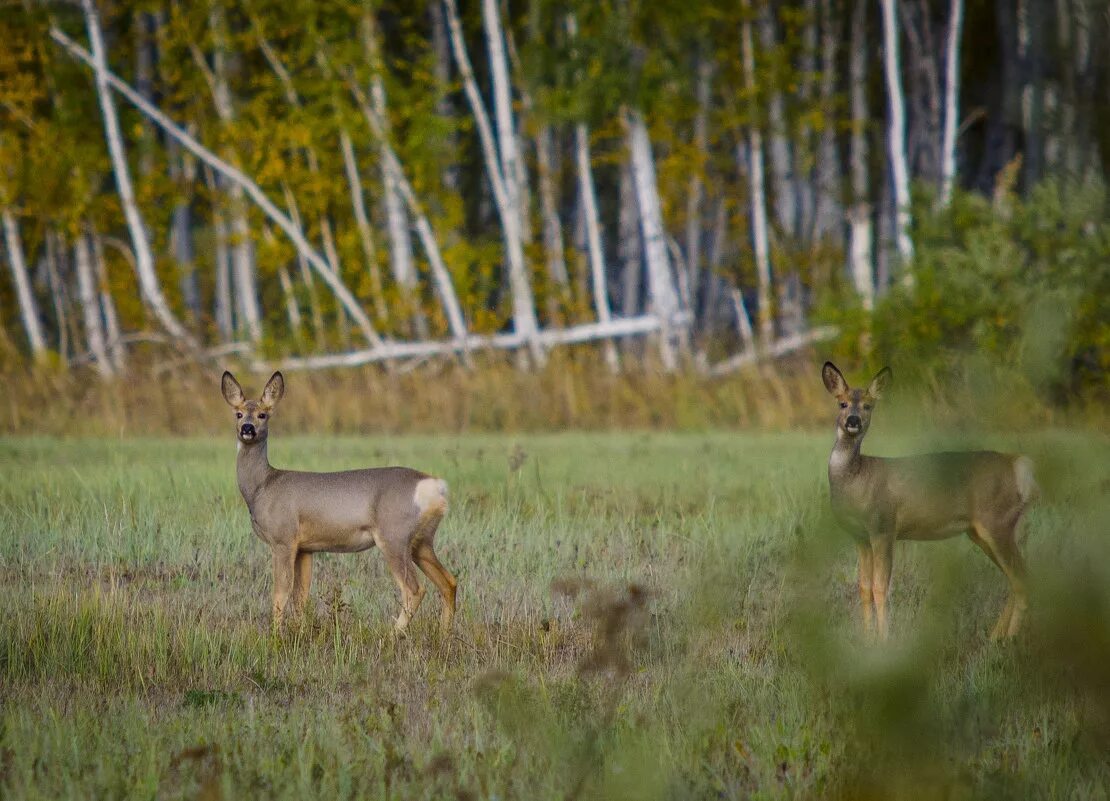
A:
[275,389]
[834,379]
[233,393]
[880,383]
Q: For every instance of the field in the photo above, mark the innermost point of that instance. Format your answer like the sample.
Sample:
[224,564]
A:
[642,616]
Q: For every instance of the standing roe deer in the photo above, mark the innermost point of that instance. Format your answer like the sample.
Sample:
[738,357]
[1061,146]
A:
[928,497]
[298,514]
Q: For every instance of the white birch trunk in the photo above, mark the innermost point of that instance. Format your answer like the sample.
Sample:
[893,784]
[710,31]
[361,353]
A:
[502,183]
[861,264]
[760,244]
[362,221]
[661,287]
[144,259]
[397,223]
[90,305]
[951,101]
[235,176]
[896,139]
[116,349]
[593,238]
[28,309]
[828,214]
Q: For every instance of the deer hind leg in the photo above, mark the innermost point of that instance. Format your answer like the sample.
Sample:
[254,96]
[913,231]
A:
[283,559]
[1003,550]
[882,555]
[400,565]
[866,575]
[429,564]
[302,579]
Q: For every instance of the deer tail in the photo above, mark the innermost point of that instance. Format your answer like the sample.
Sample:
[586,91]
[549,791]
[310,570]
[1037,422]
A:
[1026,482]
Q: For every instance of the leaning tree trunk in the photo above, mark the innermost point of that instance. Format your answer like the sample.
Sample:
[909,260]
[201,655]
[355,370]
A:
[661,287]
[896,139]
[144,259]
[28,309]
[90,305]
[760,244]
[951,101]
[501,179]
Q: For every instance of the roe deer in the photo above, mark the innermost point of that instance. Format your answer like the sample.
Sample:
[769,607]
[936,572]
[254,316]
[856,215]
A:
[928,497]
[298,514]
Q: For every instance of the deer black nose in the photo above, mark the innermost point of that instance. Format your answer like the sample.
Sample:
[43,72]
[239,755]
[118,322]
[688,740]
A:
[853,421]
[247,430]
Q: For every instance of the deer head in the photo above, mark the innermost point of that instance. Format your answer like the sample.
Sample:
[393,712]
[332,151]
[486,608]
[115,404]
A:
[252,417]
[856,405]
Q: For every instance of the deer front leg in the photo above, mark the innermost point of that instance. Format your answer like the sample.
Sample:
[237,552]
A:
[302,580]
[283,582]
[866,575]
[882,555]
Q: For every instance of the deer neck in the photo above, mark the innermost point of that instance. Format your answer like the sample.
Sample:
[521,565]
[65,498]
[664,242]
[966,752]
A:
[252,468]
[845,460]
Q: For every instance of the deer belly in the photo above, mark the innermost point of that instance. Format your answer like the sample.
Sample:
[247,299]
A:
[335,539]
[933,529]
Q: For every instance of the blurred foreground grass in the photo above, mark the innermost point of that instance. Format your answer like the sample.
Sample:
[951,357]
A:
[642,616]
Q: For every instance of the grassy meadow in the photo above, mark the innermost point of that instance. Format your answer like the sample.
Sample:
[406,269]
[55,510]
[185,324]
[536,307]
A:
[653,615]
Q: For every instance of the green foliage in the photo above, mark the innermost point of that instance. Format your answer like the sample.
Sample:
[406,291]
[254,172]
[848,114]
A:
[1022,285]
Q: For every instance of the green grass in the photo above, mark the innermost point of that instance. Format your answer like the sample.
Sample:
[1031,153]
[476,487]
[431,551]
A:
[136,659]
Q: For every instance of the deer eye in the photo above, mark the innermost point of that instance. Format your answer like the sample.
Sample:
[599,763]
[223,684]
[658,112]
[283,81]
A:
[867,406]
[844,406]
[261,415]
[239,415]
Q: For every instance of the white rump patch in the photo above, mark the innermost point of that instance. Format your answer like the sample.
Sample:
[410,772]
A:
[431,493]
[1023,475]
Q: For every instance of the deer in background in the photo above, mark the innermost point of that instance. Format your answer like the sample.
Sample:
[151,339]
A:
[299,514]
[929,497]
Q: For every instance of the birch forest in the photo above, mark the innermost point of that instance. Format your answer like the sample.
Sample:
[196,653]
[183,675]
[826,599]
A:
[689,185]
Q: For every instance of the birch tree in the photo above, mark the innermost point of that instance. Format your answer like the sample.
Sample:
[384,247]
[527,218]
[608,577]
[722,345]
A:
[861,234]
[758,195]
[661,287]
[242,248]
[896,138]
[233,175]
[149,284]
[90,305]
[499,168]
[951,100]
[28,309]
